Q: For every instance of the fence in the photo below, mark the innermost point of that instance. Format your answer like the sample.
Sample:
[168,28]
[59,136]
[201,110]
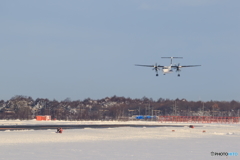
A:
[198,119]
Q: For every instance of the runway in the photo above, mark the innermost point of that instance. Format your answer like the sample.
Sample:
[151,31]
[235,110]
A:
[64,126]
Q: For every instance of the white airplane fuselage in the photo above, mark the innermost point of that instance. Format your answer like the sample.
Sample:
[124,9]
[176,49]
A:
[167,69]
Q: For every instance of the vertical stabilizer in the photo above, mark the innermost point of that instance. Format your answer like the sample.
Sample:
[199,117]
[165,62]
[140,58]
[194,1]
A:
[171,59]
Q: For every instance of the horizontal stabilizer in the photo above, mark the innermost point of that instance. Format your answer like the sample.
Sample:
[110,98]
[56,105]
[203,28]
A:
[171,57]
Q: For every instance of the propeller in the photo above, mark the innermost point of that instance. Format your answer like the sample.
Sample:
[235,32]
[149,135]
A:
[156,67]
[178,67]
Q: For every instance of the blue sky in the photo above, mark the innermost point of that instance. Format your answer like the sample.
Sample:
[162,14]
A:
[78,49]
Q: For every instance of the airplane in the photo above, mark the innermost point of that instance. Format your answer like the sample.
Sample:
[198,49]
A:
[167,69]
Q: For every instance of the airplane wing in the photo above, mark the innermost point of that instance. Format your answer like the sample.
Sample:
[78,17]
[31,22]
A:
[185,66]
[144,65]
[147,65]
[191,66]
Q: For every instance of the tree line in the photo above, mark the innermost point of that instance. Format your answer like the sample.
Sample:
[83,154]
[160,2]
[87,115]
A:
[113,108]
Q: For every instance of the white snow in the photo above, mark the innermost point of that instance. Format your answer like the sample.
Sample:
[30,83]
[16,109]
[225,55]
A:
[124,143]
[61,122]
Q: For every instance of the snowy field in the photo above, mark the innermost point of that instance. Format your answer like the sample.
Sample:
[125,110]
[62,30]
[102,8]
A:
[34,122]
[125,143]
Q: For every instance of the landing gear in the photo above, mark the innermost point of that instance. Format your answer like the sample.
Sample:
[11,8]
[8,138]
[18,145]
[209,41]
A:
[178,75]
[156,74]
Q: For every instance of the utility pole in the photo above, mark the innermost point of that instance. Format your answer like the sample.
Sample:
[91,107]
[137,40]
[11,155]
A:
[175,109]
[203,108]
[80,112]
[152,113]
[149,109]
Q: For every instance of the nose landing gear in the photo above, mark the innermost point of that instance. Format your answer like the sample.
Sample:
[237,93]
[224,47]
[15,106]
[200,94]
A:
[156,74]
[178,75]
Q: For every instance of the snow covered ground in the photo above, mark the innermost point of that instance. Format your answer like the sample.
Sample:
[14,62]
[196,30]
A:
[34,122]
[125,143]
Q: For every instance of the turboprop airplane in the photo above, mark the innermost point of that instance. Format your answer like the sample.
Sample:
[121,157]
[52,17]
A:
[167,69]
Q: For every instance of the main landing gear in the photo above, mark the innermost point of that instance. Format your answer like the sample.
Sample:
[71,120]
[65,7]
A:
[178,75]
[156,74]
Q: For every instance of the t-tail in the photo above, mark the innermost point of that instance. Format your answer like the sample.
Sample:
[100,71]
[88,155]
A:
[171,58]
